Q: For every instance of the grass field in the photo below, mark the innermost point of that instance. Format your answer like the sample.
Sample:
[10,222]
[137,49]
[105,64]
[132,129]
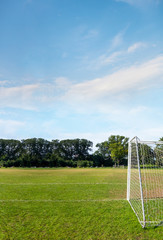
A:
[68,204]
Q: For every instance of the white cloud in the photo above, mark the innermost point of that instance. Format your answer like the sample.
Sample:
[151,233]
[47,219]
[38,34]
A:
[101,92]
[134,78]
[34,96]
[18,97]
[136,46]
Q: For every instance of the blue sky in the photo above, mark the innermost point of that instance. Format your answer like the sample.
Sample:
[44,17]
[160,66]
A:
[81,69]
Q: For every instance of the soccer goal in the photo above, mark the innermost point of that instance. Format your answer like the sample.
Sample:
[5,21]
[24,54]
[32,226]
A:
[145,181]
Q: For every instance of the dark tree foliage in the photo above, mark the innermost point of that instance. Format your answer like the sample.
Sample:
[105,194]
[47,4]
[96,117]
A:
[10,149]
[38,152]
[76,149]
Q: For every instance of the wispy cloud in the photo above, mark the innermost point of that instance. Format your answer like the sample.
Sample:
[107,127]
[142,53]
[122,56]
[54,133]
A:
[107,59]
[110,54]
[119,85]
[103,60]
[136,46]
[113,56]
[118,39]
[34,96]
[18,97]
[133,78]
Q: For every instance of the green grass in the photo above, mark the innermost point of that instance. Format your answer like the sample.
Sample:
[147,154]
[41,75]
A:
[69,204]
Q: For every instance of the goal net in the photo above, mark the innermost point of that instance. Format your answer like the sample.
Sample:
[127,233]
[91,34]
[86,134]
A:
[145,181]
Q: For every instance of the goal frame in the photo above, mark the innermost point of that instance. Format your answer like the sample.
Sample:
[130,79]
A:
[137,141]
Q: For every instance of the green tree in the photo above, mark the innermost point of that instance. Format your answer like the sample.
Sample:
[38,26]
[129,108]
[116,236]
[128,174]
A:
[102,157]
[118,146]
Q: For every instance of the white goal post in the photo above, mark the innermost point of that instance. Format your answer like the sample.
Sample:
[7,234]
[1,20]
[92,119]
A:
[145,181]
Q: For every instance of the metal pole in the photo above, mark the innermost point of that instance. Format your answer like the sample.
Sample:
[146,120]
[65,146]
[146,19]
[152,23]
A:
[129,171]
[140,180]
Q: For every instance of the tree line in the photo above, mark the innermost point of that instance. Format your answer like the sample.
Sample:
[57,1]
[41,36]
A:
[38,152]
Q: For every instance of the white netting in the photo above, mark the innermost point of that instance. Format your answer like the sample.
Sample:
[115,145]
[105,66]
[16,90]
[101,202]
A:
[145,181]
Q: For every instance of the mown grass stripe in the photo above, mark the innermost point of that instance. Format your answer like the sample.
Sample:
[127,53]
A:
[16,184]
[50,200]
